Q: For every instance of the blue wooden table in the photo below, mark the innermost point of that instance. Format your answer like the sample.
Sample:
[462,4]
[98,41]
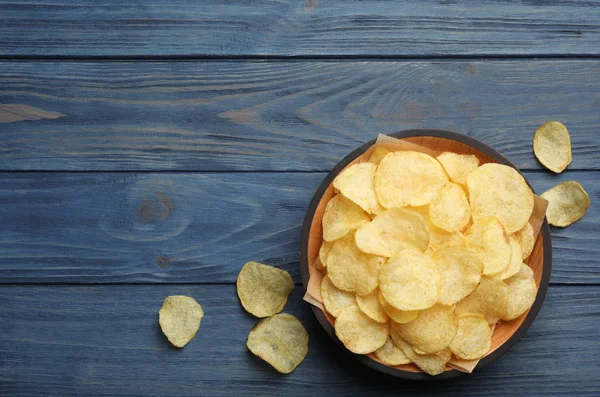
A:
[151,148]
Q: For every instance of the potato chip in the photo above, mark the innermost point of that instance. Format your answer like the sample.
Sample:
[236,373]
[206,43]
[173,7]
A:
[460,268]
[369,304]
[263,290]
[552,146]
[393,231]
[324,251]
[179,319]
[350,269]
[410,281]
[356,183]
[408,178]
[397,315]
[487,237]
[500,191]
[567,202]
[522,291]
[526,240]
[342,215]
[449,208]
[432,330]
[458,166]
[389,354]
[280,340]
[433,364]
[473,339]
[438,238]
[359,333]
[490,299]
[516,259]
[378,154]
[334,299]
[319,266]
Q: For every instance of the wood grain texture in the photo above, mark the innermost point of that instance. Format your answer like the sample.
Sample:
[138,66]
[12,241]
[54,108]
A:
[105,340]
[195,228]
[284,115]
[286,27]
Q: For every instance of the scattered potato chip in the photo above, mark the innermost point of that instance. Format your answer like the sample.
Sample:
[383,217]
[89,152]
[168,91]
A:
[359,333]
[342,215]
[567,203]
[473,339]
[389,354]
[356,183]
[449,208]
[280,340]
[408,178]
[438,238]
[487,237]
[433,364]
[526,240]
[410,281]
[500,191]
[516,259]
[522,291]
[334,299]
[460,268]
[399,316]
[458,166]
[324,251]
[369,304]
[350,269]
[432,330]
[378,154]
[179,319]
[552,146]
[490,299]
[319,266]
[263,290]
[393,231]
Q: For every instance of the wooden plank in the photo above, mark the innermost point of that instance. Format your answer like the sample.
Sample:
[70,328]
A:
[194,228]
[282,115]
[311,27]
[105,341]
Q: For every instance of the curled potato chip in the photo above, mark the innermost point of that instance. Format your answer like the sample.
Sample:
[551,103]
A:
[490,299]
[458,166]
[356,183]
[552,146]
[263,290]
[487,237]
[522,291]
[432,330]
[500,191]
[526,240]
[397,315]
[460,268]
[342,215]
[369,304]
[449,208]
[433,364]
[378,154]
[438,238]
[473,339]
[324,251]
[319,266]
[179,319]
[410,281]
[567,203]
[334,299]
[358,332]
[516,259]
[350,269]
[389,354]
[408,178]
[393,231]
[280,340]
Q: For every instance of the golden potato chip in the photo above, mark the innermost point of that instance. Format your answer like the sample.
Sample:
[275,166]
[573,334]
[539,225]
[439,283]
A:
[408,178]
[263,290]
[389,354]
[280,340]
[432,330]
[356,183]
[358,332]
[487,237]
[516,259]
[522,291]
[490,299]
[334,299]
[319,266]
[350,269]
[179,319]
[369,304]
[567,202]
[399,316]
[393,231]
[324,251]
[449,208]
[473,339]
[438,238]
[552,146]
[410,281]
[500,191]
[460,268]
[526,240]
[433,364]
[378,154]
[342,215]
[458,166]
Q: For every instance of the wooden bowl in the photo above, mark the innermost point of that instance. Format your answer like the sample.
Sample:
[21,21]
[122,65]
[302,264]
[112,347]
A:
[506,333]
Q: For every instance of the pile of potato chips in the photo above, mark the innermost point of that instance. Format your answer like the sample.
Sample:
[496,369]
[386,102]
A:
[421,256]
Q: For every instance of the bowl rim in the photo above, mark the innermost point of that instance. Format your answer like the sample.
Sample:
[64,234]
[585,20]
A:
[365,360]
